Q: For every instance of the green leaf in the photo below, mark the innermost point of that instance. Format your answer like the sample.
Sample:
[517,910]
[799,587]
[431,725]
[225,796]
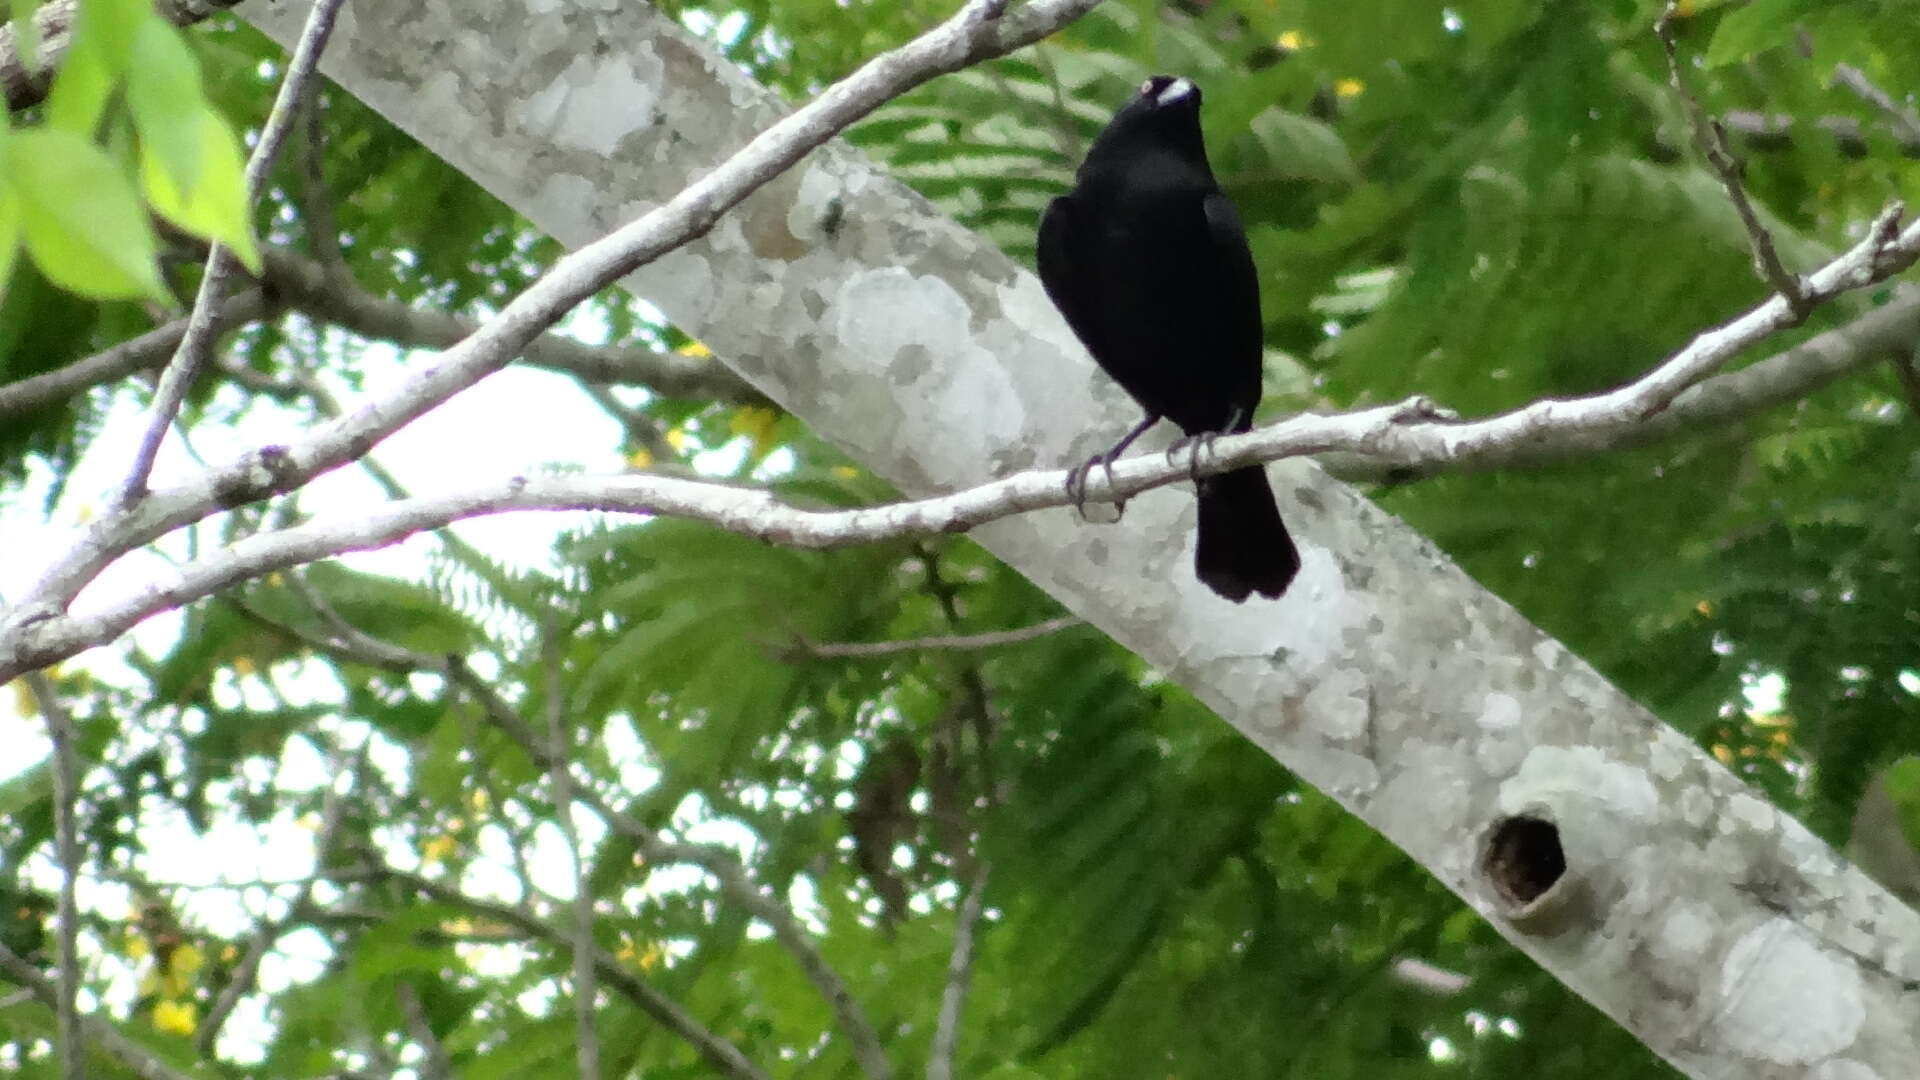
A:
[1757,27]
[215,205]
[84,225]
[1303,147]
[163,92]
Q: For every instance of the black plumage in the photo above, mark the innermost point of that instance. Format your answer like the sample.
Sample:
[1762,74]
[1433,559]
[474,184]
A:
[1148,261]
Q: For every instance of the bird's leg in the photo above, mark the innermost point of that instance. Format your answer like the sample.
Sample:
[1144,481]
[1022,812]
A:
[1203,441]
[1078,475]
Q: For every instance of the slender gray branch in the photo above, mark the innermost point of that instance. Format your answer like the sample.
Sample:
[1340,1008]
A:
[438,1066]
[141,1061]
[198,341]
[1410,434]
[149,350]
[73,1052]
[803,649]
[718,1052]
[1900,117]
[953,999]
[559,764]
[1711,139]
[270,930]
[976,33]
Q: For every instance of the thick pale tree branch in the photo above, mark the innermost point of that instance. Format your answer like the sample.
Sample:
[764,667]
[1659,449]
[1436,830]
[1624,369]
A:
[982,29]
[197,343]
[1407,435]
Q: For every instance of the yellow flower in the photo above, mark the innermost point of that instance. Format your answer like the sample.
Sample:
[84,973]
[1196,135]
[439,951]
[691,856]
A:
[176,1017]
[186,960]
[846,472]
[437,849]
[1348,87]
[641,458]
[677,438]
[1293,41]
[758,423]
[696,349]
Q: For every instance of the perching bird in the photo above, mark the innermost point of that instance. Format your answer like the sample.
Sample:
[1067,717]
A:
[1147,260]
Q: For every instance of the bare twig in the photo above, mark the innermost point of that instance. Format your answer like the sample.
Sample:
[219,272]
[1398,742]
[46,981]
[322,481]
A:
[149,350]
[559,764]
[1407,434]
[198,340]
[1905,370]
[803,649]
[1904,121]
[270,930]
[1711,139]
[73,1052]
[723,1055]
[437,1065]
[141,1061]
[976,33]
[953,999]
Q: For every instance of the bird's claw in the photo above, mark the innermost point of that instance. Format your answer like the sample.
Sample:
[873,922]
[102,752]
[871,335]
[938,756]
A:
[1199,442]
[1076,485]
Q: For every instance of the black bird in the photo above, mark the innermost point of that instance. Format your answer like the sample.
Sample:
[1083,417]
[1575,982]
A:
[1147,260]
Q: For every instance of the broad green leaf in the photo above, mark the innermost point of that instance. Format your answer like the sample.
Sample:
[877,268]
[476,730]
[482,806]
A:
[215,206]
[79,93]
[163,92]
[85,227]
[1757,27]
[1303,147]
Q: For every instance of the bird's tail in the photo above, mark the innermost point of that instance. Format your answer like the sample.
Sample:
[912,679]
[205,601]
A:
[1243,546]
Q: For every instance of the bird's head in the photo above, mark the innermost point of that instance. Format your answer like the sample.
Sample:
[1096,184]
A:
[1164,115]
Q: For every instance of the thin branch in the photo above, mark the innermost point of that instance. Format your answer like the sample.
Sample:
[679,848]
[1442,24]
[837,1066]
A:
[1904,121]
[73,1053]
[150,350]
[560,756]
[718,1052]
[976,33]
[438,1066]
[733,877]
[1909,376]
[1409,434]
[803,649]
[1711,139]
[953,999]
[270,930]
[198,340]
[139,1060]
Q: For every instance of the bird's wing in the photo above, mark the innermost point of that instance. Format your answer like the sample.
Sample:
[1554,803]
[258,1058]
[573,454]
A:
[1065,272]
[1238,282]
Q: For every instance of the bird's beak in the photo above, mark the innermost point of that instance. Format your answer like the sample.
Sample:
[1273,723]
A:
[1176,91]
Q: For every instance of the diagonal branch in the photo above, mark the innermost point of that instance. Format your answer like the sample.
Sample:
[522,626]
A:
[142,1062]
[198,341]
[953,1000]
[1711,139]
[60,732]
[977,32]
[723,1055]
[1409,434]
[803,649]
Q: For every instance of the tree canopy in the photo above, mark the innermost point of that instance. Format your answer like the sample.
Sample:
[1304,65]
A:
[888,808]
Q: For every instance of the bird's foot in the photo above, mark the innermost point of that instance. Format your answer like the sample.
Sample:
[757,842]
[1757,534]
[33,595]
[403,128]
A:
[1421,407]
[1077,478]
[1200,442]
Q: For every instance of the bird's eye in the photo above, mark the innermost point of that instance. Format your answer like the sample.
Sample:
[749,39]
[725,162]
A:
[1147,87]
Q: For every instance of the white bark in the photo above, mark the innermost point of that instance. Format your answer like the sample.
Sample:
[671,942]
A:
[1715,928]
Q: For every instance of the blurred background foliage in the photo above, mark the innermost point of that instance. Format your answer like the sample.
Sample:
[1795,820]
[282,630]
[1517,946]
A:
[1486,201]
